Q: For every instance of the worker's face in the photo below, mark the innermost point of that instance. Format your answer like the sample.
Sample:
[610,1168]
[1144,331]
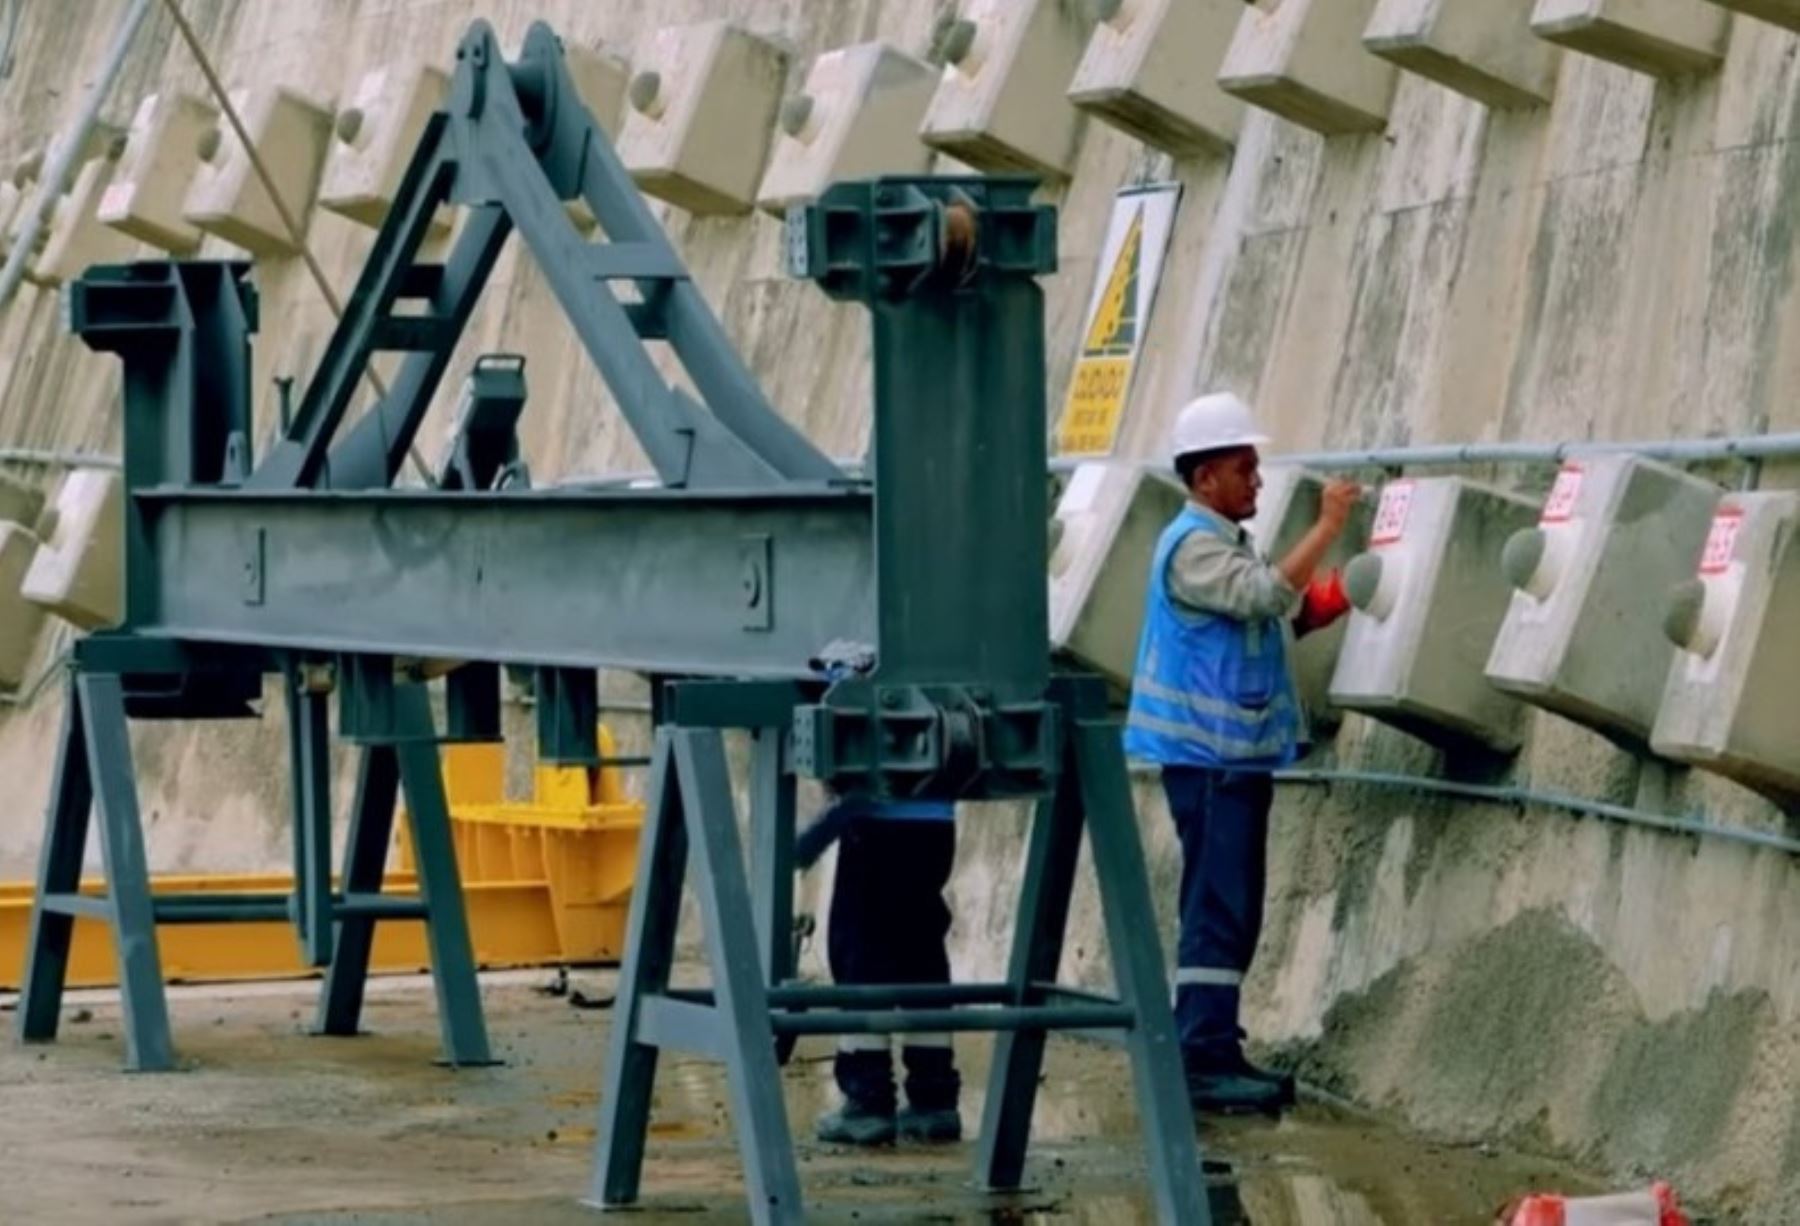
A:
[1228,483]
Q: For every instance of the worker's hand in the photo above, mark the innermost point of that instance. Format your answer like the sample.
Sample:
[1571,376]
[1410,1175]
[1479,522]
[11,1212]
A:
[1336,503]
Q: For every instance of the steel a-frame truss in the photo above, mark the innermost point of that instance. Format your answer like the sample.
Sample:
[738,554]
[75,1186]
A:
[736,586]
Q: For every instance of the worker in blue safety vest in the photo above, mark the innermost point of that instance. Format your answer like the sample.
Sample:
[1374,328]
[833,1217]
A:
[1213,703]
[888,924]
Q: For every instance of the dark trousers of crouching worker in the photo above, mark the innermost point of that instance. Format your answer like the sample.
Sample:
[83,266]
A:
[1222,818]
[888,924]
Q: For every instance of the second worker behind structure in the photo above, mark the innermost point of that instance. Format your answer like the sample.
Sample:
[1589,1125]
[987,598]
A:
[1213,704]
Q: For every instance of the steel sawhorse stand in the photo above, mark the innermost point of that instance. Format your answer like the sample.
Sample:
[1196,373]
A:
[691,825]
[93,775]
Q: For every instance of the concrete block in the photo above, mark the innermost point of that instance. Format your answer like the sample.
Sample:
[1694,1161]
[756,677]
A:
[1581,638]
[1001,105]
[76,238]
[1660,38]
[1105,531]
[20,620]
[1730,702]
[161,158]
[289,132]
[601,79]
[1777,12]
[856,117]
[1286,510]
[1482,49]
[1430,596]
[1151,71]
[79,573]
[375,136]
[1303,60]
[702,109]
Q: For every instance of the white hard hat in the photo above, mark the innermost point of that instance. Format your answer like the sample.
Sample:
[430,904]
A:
[1213,423]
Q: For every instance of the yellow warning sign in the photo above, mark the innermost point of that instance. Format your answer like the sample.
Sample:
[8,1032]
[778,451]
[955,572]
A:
[1101,382]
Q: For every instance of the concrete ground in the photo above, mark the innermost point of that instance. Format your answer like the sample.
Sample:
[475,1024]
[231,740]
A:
[269,1124]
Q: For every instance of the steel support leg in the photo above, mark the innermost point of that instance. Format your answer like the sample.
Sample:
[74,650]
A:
[1038,934]
[772,854]
[440,887]
[365,863]
[692,793]
[59,872]
[649,955]
[1167,1118]
[310,739]
[127,870]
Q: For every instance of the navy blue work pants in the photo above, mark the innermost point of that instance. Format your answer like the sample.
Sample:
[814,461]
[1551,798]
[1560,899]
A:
[1222,818]
[888,924]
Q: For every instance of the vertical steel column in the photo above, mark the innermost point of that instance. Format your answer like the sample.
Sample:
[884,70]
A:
[772,853]
[309,740]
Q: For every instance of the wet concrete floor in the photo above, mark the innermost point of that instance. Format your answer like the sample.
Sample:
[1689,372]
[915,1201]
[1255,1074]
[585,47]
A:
[269,1124]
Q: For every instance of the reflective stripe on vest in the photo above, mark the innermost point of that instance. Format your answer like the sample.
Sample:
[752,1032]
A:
[1210,690]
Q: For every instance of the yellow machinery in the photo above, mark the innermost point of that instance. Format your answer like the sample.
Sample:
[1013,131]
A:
[546,881]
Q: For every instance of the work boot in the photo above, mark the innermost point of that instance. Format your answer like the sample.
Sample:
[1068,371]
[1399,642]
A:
[1233,1093]
[1283,1082]
[934,1127]
[856,1123]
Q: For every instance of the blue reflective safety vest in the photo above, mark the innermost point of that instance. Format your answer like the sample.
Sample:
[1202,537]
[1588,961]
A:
[1210,690]
[901,810]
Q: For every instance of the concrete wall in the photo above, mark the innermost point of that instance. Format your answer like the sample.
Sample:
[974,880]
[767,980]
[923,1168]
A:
[1616,265]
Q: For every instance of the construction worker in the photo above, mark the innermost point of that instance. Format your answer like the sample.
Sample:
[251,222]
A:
[888,924]
[1213,703]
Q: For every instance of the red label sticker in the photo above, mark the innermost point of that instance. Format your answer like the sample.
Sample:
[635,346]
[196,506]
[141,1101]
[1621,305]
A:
[1559,508]
[1721,541]
[1390,515]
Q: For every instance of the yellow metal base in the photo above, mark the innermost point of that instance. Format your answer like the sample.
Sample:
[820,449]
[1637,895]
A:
[546,881]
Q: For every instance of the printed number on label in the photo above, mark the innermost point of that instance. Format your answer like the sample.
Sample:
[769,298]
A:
[1560,506]
[1721,541]
[1390,515]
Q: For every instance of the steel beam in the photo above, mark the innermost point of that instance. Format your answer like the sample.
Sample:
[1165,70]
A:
[657,581]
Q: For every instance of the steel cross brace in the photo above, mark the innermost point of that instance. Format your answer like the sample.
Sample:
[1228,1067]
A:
[94,775]
[690,836]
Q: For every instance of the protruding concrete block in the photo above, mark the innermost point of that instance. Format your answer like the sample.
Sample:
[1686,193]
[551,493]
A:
[161,158]
[856,117]
[289,132]
[601,79]
[702,109]
[1105,531]
[20,620]
[1482,49]
[1151,71]
[1001,105]
[76,237]
[1660,38]
[374,137]
[1580,637]
[79,573]
[1430,596]
[1303,60]
[1286,510]
[1778,12]
[1730,702]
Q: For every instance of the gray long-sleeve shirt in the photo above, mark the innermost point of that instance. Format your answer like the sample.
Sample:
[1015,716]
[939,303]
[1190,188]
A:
[1225,574]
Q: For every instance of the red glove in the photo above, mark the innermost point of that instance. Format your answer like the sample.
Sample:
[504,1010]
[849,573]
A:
[1322,603]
